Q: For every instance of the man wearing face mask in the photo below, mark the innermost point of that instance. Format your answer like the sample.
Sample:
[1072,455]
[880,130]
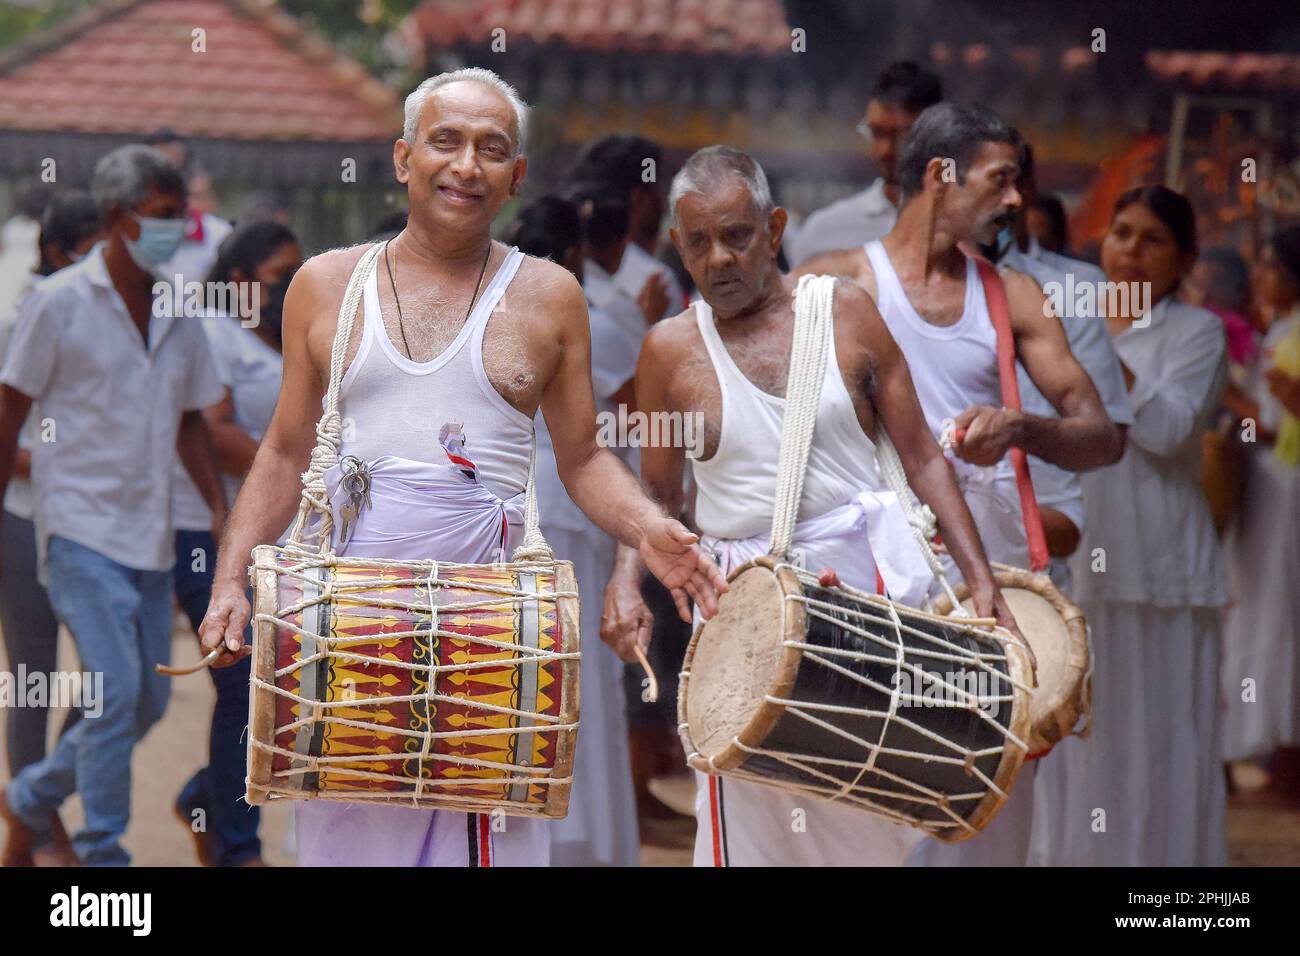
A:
[257,261]
[958,174]
[118,386]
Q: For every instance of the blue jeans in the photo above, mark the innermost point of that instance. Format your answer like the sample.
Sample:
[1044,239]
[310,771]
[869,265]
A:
[121,621]
[218,788]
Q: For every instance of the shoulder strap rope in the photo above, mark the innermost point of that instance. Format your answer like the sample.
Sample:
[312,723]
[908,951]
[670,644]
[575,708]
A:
[813,327]
[996,297]
[329,431]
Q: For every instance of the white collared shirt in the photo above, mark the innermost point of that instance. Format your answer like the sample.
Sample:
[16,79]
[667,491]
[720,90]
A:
[108,411]
[637,267]
[252,370]
[848,223]
[1147,513]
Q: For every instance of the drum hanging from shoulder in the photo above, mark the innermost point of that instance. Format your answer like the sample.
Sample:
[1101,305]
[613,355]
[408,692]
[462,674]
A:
[1054,627]
[418,683]
[850,697]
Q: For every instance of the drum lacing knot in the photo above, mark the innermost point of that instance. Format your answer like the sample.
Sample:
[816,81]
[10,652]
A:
[969,764]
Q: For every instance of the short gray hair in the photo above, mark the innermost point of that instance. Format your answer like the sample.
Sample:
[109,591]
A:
[126,175]
[415,102]
[707,166]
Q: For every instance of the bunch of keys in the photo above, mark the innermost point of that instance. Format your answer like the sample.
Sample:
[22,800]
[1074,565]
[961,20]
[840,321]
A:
[356,482]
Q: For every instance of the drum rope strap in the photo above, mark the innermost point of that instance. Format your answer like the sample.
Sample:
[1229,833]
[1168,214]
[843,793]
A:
[810,351]
[810,348]
[309,551]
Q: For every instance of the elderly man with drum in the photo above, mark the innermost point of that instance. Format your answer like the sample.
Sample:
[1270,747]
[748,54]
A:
[726,359]
[458,341]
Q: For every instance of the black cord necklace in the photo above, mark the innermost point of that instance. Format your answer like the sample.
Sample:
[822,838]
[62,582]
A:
[392,281]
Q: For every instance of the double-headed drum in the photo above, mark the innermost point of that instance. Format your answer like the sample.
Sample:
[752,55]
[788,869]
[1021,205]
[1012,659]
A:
[414,683]
[1055,629]
[847,696]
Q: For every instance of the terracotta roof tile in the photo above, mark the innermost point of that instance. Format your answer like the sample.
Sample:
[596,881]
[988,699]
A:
[1259,71]
[733,27]
[130,68]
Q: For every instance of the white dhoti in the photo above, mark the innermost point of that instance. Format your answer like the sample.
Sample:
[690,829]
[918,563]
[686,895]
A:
[600,829]
[1146,788]
[740,823]
[420,511]
[1261,634]
[994,503]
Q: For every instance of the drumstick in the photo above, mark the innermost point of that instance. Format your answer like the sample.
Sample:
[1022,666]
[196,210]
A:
[645,665]
[182,671]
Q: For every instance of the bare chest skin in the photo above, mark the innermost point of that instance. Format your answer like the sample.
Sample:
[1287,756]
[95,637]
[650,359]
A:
[940,301]
[517,356]
[763,355]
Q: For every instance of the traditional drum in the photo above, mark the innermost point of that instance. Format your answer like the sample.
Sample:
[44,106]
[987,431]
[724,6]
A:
[433,684]
[423,683]
[848,696]
[1061,703]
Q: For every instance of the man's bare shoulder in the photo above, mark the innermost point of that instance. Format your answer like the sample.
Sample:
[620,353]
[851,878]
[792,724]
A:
[325,275]
[549,287]
[1025,296]
[849,263]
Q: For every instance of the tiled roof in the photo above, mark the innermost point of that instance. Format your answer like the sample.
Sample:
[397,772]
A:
[128,67]
[1226,71]
[733,27]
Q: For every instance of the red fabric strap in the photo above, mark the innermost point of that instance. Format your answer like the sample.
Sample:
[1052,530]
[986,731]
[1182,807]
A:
[996,297]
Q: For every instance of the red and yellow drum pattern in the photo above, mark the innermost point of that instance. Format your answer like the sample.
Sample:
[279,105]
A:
[375,712]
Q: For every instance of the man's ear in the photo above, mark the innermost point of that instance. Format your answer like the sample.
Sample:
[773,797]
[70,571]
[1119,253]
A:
[776,224]
[401,160]
[517,175]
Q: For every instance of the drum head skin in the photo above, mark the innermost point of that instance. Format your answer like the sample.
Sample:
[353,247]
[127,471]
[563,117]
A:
[792,684]
[1056,631]
[742,662]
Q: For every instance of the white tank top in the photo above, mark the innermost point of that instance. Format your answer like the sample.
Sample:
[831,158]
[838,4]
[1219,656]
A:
[737,486]
[953,367]
[391,405]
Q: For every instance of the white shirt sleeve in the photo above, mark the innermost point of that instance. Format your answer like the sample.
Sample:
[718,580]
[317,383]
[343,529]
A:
[205,386]
[1169,404]
[33,347]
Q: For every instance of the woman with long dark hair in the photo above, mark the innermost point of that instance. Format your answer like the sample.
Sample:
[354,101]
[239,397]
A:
[1146,787]
[254,266]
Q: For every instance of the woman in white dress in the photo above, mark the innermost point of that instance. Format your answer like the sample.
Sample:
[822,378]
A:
[1261,667]
[600,829]
[1146,787]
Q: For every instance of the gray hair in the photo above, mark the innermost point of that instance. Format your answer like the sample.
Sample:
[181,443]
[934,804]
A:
[126,175]
[709,165]
[415,102]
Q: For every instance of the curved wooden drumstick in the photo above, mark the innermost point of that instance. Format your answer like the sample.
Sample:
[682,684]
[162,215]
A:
[182,671]
[645,665]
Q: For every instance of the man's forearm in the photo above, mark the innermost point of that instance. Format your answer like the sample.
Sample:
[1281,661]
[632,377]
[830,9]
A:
[610,495]
[1076,442]
[267,502]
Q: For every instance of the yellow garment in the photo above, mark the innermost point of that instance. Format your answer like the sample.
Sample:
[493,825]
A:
[1286,358]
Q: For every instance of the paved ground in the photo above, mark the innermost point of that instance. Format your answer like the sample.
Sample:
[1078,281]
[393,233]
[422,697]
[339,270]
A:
[1258,835]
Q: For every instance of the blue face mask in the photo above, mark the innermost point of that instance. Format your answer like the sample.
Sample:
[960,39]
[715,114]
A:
[1003,241]
[158,242]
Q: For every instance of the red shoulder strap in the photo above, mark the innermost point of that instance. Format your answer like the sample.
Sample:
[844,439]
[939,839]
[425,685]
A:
[996,297]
